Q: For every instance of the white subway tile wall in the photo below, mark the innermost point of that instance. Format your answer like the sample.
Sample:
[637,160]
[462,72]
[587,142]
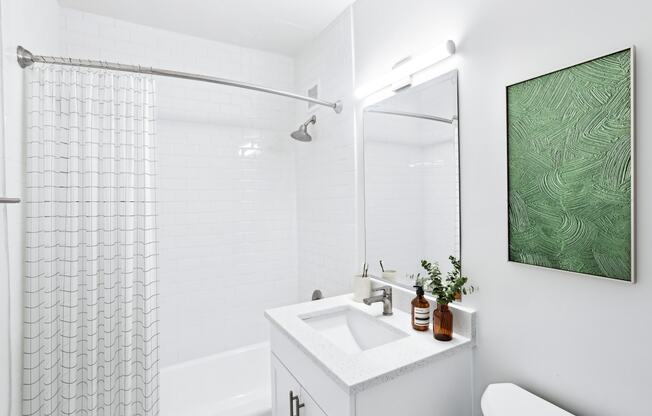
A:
[441,202]
[394,188]
[417,183]
[227,190]
[411,181]
[325,167]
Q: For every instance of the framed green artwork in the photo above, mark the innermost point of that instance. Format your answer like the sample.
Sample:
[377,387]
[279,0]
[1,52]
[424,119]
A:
[570,147]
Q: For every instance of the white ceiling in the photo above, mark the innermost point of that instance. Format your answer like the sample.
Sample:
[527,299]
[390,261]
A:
[282,26]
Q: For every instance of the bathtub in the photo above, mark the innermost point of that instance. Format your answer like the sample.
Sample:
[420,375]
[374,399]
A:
[232,383]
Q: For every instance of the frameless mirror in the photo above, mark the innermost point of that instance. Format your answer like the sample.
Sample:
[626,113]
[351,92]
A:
[411,172]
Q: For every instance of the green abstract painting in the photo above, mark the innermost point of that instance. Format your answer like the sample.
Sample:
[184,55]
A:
[569,139]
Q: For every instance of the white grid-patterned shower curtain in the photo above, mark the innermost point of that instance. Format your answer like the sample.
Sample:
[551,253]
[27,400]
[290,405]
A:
[91,291]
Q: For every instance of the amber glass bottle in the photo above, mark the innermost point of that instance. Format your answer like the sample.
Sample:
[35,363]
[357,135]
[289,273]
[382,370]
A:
[420,311]
[442,324]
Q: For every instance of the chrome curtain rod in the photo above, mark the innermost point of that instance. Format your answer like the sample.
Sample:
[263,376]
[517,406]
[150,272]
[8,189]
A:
[413,115]
[5,200]
[26,58]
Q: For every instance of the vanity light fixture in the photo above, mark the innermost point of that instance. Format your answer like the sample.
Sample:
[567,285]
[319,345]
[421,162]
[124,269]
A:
[401,74]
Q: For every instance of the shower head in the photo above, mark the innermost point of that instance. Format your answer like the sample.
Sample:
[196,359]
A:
[301,134]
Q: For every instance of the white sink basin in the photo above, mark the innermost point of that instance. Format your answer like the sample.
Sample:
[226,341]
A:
[351,330]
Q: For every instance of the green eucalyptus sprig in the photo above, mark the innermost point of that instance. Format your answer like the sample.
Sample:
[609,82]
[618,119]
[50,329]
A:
[456,273]
[445,291]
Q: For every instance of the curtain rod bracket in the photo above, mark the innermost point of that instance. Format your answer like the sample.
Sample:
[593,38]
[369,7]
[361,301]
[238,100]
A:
[25,57]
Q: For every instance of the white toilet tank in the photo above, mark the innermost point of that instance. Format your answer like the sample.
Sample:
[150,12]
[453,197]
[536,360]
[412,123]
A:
[506,399]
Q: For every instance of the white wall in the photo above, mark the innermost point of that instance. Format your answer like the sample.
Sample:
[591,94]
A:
[34,24]
[325,167]
[227,205]
[581,342]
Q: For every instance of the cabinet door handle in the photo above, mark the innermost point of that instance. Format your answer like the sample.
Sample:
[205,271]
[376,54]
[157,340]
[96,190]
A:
[291,403]
[298,406]
[295,406]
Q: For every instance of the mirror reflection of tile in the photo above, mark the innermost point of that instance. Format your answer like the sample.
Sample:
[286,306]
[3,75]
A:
[411,180]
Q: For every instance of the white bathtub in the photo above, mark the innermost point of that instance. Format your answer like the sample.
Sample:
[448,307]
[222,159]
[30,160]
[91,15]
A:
[232,383]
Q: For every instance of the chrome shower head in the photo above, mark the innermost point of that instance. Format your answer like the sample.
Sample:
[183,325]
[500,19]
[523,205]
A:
[301,134]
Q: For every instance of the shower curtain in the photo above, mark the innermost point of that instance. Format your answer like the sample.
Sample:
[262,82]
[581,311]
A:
[91,251]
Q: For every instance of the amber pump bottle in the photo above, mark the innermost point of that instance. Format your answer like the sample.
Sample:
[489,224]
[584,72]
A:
[420,311]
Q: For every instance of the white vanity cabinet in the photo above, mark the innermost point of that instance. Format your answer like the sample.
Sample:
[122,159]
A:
[315,374]
[288,397]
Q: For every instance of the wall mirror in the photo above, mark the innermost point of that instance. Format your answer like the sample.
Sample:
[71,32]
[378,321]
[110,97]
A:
[411,180]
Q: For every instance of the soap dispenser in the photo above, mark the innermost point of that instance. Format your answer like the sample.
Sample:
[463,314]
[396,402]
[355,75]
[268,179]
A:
[420,311]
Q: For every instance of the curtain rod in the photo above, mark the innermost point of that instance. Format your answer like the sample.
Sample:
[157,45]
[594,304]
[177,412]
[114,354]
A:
[5,200]
[413,115]
[26,58]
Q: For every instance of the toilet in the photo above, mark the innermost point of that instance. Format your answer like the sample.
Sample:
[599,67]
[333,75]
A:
[507,399]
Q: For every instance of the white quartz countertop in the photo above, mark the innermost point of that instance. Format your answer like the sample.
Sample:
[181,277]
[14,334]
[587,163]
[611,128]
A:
[357,371]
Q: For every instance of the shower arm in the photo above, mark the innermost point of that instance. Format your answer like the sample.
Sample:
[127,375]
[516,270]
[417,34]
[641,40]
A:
[312,120]
[26,58]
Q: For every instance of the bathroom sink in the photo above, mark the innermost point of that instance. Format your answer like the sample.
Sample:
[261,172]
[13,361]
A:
[351,330]
[355,344]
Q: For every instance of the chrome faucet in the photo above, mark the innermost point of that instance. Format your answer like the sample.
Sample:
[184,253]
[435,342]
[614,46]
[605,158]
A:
[386,298]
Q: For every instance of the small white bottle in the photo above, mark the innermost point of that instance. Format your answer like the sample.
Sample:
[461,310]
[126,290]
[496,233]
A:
[361,287]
